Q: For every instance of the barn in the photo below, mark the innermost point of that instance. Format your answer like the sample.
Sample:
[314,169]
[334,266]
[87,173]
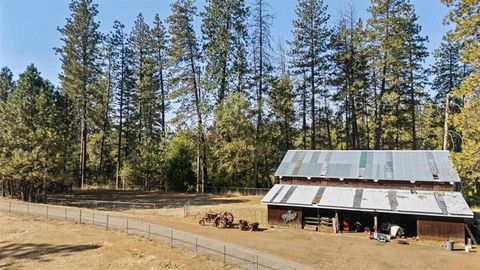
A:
[357,190]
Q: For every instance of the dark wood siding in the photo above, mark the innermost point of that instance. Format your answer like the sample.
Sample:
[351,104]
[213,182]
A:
[359,183]
[275,216]
[441,229]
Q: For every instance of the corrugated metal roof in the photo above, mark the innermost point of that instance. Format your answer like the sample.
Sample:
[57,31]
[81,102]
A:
[402,165]
[431,203]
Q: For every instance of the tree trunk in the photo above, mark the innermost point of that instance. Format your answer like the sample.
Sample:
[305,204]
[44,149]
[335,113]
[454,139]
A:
[412,106]
[312,106]
[258,129]
[105,119]
[379,118]
[304,111]
[83,146]
[445,126]
[201,150]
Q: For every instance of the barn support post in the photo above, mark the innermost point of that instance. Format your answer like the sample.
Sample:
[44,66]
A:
[336,227]
[375,222]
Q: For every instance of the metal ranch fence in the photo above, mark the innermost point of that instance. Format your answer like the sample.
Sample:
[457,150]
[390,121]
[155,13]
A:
[228,253]
[245,191]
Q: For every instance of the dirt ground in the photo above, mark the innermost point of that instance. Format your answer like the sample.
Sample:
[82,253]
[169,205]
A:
[35,243]
[315,249]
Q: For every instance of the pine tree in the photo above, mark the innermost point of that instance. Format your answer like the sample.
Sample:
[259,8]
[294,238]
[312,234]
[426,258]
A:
[185,83]
[448,70]
[350,77]
[118,42]
[79,55]
[160,40]
[387,38]
[415,74]
[262,67]
[6,83]
[142,64]
[30,140]
[280,101]
[224,41]
[466,16]
[103,109]
[309,51]
[232,141]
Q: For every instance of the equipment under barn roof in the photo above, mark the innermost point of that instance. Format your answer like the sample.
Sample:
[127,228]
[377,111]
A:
[398,165]
[426,203]
[367,189]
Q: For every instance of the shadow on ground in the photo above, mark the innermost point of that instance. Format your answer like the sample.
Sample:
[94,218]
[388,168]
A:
[32,251]
[161,199]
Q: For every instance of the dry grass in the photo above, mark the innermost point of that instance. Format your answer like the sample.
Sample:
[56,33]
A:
[34,243]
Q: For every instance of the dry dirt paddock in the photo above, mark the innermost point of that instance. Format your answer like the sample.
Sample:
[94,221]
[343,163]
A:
[319,250]
[35,243]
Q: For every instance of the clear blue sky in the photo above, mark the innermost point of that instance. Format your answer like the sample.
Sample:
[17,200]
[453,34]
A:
[28,28]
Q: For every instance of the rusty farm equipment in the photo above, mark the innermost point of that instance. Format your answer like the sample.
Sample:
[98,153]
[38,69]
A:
[219,220]
[244,225]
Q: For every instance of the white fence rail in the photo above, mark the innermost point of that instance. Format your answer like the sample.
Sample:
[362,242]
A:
[228,253]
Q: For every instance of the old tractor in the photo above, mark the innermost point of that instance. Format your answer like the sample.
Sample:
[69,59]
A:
[220,220]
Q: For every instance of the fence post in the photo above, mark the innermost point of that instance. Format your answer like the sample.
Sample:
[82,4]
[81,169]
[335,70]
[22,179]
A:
[154,209]
[127,225]
[148,230]
[93,219]
[47,211]
[114,206]
[256,260]
[65,213]
[196,245]
[28,208]
[80,216]
[107,223]
[9,206]
[171,238]
[224,255]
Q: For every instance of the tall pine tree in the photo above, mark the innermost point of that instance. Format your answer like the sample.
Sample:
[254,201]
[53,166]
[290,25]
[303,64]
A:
[308,53]
[79,55]
[224,40]
[185,83]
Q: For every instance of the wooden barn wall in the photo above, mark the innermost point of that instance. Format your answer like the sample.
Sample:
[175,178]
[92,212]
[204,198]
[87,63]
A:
[275,216]
[441,229]
[358,183]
